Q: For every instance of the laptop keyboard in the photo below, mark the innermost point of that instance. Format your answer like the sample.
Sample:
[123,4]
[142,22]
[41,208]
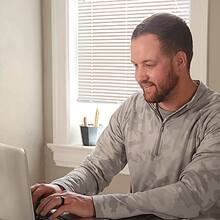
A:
[40,217]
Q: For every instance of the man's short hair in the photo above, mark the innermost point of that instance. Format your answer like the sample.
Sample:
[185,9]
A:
[172,31]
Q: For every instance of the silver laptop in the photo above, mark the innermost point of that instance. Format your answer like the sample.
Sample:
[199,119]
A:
[15,193]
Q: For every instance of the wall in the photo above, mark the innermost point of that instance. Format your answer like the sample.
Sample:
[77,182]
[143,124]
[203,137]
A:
[214,45]
[21,80]
[47,88]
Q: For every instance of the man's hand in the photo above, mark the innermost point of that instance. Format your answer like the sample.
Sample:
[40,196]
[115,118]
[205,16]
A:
[40,191]
[67,202]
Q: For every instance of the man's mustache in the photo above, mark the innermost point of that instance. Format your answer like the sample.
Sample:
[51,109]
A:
[146,83]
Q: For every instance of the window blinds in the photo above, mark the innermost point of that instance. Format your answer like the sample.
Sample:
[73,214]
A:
[105,73]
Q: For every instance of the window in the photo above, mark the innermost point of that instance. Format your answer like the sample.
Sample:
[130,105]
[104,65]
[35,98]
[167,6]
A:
[67,111]
[104,29]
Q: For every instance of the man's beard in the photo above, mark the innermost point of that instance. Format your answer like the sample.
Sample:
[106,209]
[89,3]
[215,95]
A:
[162,91]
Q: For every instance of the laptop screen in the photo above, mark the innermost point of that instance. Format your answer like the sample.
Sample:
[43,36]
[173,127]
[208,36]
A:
[16,202]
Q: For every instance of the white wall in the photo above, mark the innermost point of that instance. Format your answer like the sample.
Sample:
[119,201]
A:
[21,80]
[213,79]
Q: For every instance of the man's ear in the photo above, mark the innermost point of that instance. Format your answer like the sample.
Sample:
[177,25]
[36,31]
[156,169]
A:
[180,60]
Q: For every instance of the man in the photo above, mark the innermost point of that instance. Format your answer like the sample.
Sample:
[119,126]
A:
[169,136]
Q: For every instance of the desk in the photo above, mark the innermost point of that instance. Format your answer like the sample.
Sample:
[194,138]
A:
[141,217]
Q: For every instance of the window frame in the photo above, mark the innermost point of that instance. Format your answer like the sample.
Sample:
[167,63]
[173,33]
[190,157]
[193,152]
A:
[65,128]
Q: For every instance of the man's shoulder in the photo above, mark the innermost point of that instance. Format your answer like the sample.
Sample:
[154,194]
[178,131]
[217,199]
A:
[212,99]
[206,98]
[136,102]
[136,97]
[209,105]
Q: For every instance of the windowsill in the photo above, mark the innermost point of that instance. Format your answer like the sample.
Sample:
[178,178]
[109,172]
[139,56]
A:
[72,155]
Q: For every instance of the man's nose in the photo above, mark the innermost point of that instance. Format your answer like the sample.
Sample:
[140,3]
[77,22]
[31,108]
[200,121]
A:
[141,74]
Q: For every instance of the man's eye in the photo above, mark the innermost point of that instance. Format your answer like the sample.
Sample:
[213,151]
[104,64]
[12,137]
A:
[149,65]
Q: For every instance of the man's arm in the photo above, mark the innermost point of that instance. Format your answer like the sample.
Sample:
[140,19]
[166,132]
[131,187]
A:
[108,158]
[91,177]
[197,190]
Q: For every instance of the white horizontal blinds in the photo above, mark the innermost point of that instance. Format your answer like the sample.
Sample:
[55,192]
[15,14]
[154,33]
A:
[105,73]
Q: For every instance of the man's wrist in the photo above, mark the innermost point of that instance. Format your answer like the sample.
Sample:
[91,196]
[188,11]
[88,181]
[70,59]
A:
[93,206]
[59,188]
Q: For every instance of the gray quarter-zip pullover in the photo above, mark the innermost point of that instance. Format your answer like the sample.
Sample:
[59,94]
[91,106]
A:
[174,163]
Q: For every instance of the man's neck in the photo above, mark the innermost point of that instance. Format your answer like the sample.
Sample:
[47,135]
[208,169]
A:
[180,96]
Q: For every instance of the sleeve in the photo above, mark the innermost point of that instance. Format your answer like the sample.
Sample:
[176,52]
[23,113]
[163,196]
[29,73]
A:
[107,159]
[197,190]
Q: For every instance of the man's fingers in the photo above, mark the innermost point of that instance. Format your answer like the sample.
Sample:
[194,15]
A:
[66,202]
[42,204]
[60,211]
[48,204]
[34,187]
[39,192]
[36,194]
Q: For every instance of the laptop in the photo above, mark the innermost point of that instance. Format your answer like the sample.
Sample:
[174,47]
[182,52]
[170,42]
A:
[15,193]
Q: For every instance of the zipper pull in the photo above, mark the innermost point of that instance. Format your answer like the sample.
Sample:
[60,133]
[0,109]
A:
[157,147]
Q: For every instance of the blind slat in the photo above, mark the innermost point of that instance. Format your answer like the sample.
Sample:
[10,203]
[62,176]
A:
[105,73]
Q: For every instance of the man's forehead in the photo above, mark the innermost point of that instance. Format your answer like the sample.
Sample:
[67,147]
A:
[145,48]
[145,38]
[146,43]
